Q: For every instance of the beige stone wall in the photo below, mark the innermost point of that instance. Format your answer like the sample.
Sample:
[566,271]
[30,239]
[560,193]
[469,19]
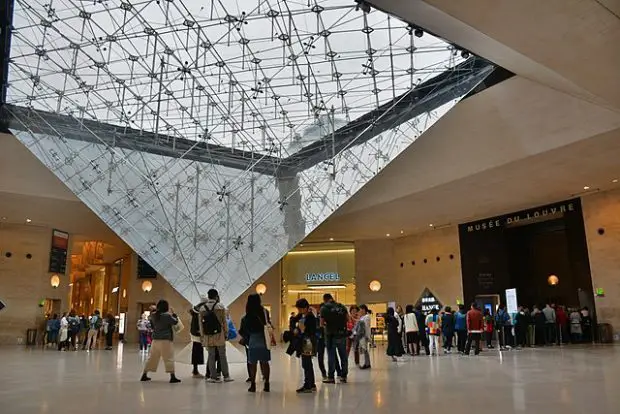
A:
[25,282]
[602,211]
[271,298]
[161,290]
[381,259]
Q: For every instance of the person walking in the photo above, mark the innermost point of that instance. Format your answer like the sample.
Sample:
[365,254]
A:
[394,339]
[475,325]
[216,332]
[334,318]
[460,326]
[351,345]
[412,331]
[252,330]
[94,327]
[162,322]
[447,329]
[143,328]
[434,331]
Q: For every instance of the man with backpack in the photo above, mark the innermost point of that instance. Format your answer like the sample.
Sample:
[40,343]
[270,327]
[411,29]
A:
[334,318]
[215,331]
[94,327]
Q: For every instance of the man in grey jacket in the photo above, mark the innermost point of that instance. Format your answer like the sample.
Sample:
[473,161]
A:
[550,320]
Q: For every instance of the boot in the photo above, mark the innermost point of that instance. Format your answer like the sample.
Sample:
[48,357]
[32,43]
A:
[267,388]
[144,377]
[174,379]
[252,387]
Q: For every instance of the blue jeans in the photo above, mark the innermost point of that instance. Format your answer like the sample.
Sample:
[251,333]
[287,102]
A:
[336,345]
[143,341]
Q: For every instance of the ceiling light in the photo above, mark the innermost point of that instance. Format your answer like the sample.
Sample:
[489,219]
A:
[321,287]
[331,239]
[402,232]
[431,225]
[387,235]
[615,180]
[3,218]
[28,220]
[585,187]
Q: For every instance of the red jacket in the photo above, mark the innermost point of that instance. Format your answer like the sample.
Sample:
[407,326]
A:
[475,321]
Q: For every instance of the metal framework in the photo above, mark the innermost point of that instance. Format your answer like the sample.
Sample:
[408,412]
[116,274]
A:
[213,137]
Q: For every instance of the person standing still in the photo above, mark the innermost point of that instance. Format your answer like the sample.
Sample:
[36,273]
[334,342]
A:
[475,326]
[162,322]
[460,325]
[216,333]
[550,321]
[94,326]
[109,328]
[334,318]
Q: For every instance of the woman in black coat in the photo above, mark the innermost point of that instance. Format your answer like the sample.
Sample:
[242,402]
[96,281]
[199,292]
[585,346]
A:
[394,348]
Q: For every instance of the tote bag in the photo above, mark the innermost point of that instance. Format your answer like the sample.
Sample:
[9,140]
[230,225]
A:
[270,339]
[178,327]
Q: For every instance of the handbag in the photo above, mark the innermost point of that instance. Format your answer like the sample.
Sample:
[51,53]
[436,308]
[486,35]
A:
[178,327]
[270,339]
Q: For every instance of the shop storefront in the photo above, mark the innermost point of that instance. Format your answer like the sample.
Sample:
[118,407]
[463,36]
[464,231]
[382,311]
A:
[311,271]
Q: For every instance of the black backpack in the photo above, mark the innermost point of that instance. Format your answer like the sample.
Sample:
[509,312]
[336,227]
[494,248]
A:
[74,324]
[336,320]
[210,323]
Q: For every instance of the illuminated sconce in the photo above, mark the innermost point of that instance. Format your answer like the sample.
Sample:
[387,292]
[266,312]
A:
[92,301]
[147,286]
[55,281]
[124,293]
[261,288]
[553,280]
[375,286]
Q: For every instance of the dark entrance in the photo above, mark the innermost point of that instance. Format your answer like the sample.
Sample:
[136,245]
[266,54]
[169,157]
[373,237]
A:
[523,250]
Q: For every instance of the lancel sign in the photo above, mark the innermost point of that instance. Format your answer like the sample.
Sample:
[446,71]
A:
[524,216]
[322,277]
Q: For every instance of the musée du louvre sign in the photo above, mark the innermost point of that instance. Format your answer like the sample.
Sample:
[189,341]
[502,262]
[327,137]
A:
[524,216]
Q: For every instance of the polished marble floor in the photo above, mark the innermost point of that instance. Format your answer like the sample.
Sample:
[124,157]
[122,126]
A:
[555,380]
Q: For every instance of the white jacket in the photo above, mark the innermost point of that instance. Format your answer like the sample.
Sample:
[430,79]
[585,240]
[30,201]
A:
[411,323]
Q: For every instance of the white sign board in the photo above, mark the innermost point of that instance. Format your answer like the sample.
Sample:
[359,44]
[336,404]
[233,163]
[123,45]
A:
[511,301]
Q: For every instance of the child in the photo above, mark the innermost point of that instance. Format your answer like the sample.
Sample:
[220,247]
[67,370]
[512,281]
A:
[306,344]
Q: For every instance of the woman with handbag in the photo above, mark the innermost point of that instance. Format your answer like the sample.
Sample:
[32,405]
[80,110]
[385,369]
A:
[163,322]
[258,339]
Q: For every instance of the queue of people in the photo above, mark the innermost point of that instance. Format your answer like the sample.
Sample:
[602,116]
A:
[72,332]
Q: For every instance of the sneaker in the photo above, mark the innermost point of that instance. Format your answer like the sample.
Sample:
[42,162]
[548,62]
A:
[329,381]
[304,390]
[343,380]
[365,367]
[198,375]
[213,380]
[227,379]
[313,387]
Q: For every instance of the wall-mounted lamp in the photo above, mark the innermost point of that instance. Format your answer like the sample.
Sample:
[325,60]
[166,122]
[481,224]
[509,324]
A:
[374,286]
[553,280]
[147,286]
[55,281]
[261,288]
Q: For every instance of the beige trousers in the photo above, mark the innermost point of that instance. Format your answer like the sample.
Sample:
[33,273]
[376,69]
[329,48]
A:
[160,348]
[92,339]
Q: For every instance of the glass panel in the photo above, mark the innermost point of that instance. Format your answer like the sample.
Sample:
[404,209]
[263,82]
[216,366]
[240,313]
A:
[120,89]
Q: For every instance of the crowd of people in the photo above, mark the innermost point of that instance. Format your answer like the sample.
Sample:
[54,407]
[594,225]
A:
[72,332]
[313,332]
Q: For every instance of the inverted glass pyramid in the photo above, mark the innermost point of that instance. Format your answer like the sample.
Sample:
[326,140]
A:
[214,136]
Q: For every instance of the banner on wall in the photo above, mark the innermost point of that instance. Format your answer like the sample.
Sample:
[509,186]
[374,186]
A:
[428,301]
[58,252]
